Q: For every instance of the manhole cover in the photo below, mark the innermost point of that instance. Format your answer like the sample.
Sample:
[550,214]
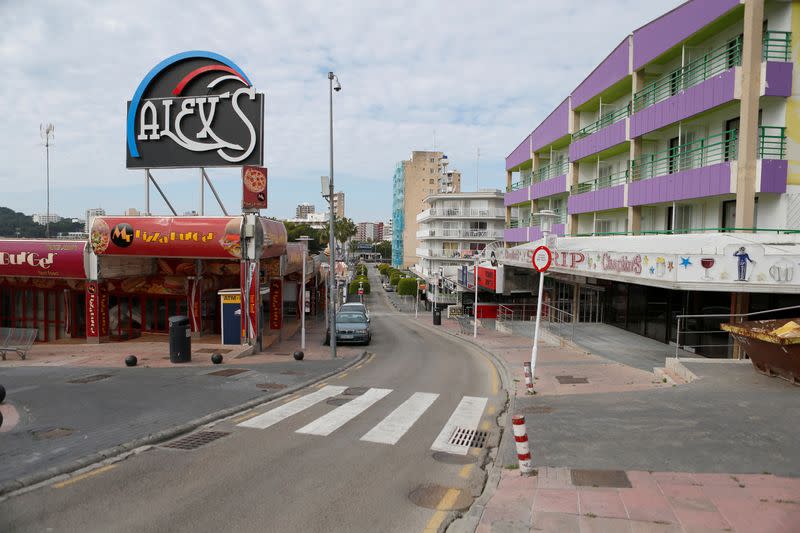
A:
[451,459]
[338,401]
[90,379]
[433,497]
[190,442]
[228,372]
[355,391]
[468,437]
[600,478]
[271,386]
[53,433]
[570,380]
[214,350]
[537,410]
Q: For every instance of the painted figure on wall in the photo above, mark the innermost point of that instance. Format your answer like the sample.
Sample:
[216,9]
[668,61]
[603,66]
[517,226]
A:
[741,254]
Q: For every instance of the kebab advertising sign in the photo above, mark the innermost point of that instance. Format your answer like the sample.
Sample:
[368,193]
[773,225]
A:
[196,237]
[195,109]
[42,259]
[254,187]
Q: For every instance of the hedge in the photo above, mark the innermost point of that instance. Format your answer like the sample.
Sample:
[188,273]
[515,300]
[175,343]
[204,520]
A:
[383,268]
[394,278]
[353,289]
[407,287]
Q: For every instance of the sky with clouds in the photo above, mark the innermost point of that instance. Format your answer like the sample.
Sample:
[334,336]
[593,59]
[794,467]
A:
[479,74]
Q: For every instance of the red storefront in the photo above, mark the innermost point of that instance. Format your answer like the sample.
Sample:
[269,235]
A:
[42,285]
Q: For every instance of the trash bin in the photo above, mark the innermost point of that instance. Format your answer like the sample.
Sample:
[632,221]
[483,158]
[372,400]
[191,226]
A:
[180,340]
[437,317]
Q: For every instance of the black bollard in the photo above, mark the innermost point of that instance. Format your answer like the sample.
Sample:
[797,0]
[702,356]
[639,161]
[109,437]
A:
[298,355]
[216,358]
[131,360]
[2,393]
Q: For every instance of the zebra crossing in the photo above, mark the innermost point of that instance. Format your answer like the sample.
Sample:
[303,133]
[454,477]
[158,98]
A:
[466,416]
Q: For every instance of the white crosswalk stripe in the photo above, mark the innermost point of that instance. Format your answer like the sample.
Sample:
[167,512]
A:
[327,424]
[467,415]
[394,426]
[292,408]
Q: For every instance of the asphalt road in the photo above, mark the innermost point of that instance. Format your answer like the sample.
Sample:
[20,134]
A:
[279,479]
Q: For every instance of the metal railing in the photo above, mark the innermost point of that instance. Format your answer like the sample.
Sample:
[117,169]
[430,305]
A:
[771,142]
[687,230]
[516,312]
[777,46]
[551,170]
[459,212]
[460,233]
[701,321]
[714,62]
[616,178]
[555,315]
[700,153]
[606,119]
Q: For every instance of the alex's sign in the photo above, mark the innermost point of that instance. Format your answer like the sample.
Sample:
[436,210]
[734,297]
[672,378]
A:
[195,109]
[50,259]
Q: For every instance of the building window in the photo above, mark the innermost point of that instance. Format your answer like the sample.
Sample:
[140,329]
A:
[430,181]
[431,171]
[602,226]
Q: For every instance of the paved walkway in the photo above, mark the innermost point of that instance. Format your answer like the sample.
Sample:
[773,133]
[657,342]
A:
[625,451]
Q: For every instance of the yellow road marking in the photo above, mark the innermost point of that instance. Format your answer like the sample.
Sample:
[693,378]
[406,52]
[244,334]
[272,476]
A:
[485,425]
[446,502]
[320,385]
[466,470]
[245,417]
[491,410]
[342,375]
[83,476]
[495,377]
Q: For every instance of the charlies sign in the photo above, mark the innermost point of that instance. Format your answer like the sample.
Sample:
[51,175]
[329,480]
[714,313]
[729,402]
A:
[195,109]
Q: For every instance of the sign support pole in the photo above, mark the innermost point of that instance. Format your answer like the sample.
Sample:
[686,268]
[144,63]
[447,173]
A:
[147,192]
[535,349]
[214,191]
[416,302]
[202,193]
[475,306]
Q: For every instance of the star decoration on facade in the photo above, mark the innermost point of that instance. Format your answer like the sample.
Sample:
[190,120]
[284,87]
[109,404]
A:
[685,262]
[652,270]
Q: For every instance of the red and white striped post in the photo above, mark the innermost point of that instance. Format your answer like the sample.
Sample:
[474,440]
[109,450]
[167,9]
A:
[528,377]
[523,451]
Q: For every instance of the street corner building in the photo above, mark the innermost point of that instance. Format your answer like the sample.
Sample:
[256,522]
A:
[672,173]
[134,273]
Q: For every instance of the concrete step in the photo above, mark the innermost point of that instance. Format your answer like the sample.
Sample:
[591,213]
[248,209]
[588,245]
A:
[671,377]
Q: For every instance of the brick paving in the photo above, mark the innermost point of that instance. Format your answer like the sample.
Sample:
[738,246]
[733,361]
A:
[656,501]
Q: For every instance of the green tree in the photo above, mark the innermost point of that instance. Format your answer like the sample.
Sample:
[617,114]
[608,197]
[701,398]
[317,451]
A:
[384,248]
[394,278]
[407,287]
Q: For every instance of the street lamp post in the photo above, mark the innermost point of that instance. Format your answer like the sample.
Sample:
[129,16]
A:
[416,301]
[305,239]
[475,306]
[545,220]
[47,134]
[331,238]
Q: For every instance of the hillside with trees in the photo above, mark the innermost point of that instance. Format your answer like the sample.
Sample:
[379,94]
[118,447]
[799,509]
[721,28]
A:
[16,224]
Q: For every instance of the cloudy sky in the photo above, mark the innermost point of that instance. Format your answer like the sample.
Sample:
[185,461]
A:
[479,74]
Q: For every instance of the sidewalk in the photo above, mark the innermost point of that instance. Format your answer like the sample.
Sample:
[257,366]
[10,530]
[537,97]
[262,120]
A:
[617,449]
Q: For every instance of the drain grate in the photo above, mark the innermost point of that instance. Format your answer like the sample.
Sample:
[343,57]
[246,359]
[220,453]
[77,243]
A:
[90,379]
[600,478]
[190,442]
[338,401]
[355,391]
[213,350]
[228,372]
[271,386]
[569,380]
[468,437]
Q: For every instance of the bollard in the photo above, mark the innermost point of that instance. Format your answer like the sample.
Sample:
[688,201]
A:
[528,377]
[523,451]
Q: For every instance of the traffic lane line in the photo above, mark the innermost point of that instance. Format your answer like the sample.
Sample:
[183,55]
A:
[81,477]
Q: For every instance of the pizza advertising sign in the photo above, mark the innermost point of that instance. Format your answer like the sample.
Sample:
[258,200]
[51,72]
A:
[196,237]
[254,187]
[195,109]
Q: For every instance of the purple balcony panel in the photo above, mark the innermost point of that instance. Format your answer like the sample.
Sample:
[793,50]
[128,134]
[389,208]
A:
[600,200]
[549,187]
[773,175]
[520,154]
[695,183]
[517,197]
[515,235]
[534,234]
[598,141]
[701,97]
[559,229]
[555,126]
[779,79]
[655,38]
[612,69]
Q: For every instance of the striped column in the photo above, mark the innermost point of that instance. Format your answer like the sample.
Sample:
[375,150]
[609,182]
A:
[528,377]
[521,438]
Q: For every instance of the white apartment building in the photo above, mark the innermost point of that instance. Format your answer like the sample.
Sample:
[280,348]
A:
[42,218]
[455,228]
[90,214]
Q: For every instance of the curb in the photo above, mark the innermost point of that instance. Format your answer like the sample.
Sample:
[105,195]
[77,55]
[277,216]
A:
[469,521]
[8,488]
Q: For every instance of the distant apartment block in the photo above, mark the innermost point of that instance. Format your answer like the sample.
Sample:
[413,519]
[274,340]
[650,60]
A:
[42,218]
[90,214]
[303,210]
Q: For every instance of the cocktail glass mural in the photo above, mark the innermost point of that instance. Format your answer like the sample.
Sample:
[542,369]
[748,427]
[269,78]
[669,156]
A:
[706,263]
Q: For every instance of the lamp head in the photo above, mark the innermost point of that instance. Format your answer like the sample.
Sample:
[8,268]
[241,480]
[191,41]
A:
[336,85]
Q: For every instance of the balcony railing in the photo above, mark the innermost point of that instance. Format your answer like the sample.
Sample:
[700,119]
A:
[681,231]
[519,223]
[446,254]
[523,181]
[777,46]
[771,142]
[605,120]
[696,154]
[714,62]
[460,233]
[458,212]
[551,170]
[616,178]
